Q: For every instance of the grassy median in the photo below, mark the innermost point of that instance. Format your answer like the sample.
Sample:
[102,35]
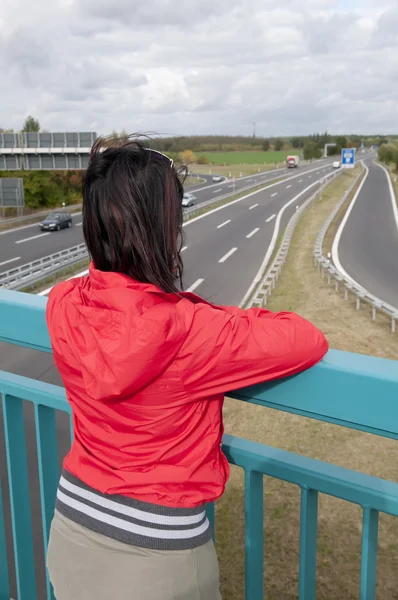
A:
[301,289]
[235,170]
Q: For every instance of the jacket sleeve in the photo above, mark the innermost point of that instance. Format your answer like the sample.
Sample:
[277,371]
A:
[227,349]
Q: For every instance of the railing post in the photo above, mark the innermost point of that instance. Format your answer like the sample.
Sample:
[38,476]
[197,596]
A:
[254,534]
[370,531]
[308,540]
[210,516]
[4,579]
[17,465]
[47,455]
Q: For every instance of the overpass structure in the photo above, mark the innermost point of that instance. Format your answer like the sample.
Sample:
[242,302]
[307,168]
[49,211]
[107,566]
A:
[342,390]
[49,151]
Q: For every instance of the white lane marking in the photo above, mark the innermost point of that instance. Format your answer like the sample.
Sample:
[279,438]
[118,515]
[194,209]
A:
[288,186]
[10,260]
[222,224]
[309,176]
[300,180]
[270,218]
[254,206]
[195,285]
[274,194]
[184,248]
[34,237]
[81,223]
[392,193]
[230,186]
[272,244]
[218,190]
[253,232]
[336,241]
[227,255]
[249,195]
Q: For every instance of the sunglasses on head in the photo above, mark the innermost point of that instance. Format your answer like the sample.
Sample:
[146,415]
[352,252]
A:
[171,161]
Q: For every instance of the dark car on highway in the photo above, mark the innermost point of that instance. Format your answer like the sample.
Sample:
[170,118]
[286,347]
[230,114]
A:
[56,221]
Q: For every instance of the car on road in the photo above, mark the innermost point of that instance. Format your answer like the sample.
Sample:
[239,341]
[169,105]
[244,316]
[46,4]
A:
[188,200]
[56,221]
[217,178]
[336,164]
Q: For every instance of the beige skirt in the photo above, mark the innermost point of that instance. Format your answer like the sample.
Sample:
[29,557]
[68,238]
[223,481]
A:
[84,565]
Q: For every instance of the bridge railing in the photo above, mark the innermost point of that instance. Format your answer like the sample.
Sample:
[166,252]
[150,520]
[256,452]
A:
[353,391]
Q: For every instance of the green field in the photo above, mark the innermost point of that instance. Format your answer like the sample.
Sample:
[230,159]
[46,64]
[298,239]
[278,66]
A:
[248,158]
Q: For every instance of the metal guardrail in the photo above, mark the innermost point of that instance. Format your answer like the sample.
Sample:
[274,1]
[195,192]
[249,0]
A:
[325,266]
[35,271]
[268,282]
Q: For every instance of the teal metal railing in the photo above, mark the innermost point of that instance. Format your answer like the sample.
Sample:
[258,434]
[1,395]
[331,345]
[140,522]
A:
[354,391]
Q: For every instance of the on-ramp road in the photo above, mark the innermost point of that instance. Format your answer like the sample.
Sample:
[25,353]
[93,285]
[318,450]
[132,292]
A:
[368,246]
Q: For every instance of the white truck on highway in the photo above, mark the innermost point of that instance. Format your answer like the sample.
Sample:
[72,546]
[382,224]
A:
[292,162]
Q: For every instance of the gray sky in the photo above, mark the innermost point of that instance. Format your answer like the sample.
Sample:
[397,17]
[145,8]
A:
[202,66]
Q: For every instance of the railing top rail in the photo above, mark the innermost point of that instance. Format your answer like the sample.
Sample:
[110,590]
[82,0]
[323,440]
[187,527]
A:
[352,390]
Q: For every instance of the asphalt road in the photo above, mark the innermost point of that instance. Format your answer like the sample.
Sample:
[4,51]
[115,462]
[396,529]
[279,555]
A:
[368,247]
[224,250]
[26,244]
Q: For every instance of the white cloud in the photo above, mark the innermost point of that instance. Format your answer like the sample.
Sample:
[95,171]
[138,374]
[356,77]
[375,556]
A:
[202,66]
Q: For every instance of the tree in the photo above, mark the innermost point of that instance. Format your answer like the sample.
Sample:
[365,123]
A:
[202,159]
[278,145]
[31,125]
[266,145]
[187,157]
[341,142]
[388,153]
[311,150]
[296,142]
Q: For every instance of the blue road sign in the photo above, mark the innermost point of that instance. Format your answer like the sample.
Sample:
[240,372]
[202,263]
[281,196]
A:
[348,158]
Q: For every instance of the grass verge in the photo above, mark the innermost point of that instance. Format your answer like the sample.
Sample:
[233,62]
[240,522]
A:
[248,157]
[233,170]
[193,181]
[394,178]
[60,275]
[301,289]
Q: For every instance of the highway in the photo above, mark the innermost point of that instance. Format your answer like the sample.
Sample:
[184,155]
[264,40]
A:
[223,251]
[27,243]
[368,247]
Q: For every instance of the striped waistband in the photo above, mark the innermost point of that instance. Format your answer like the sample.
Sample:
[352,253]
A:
[132,521]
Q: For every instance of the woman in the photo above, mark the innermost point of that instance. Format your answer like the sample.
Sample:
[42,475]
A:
[145,369]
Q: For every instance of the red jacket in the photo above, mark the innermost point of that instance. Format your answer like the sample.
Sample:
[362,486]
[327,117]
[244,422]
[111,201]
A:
[146,372]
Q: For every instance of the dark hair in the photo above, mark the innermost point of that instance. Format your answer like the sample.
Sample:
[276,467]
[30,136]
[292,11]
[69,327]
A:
[132,212]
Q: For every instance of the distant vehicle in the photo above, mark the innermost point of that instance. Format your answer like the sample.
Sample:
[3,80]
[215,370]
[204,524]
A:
[217,178]
[188,200]
[56,221]
[292,162]
[336,164]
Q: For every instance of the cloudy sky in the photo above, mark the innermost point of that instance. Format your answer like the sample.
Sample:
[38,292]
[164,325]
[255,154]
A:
[200,66]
